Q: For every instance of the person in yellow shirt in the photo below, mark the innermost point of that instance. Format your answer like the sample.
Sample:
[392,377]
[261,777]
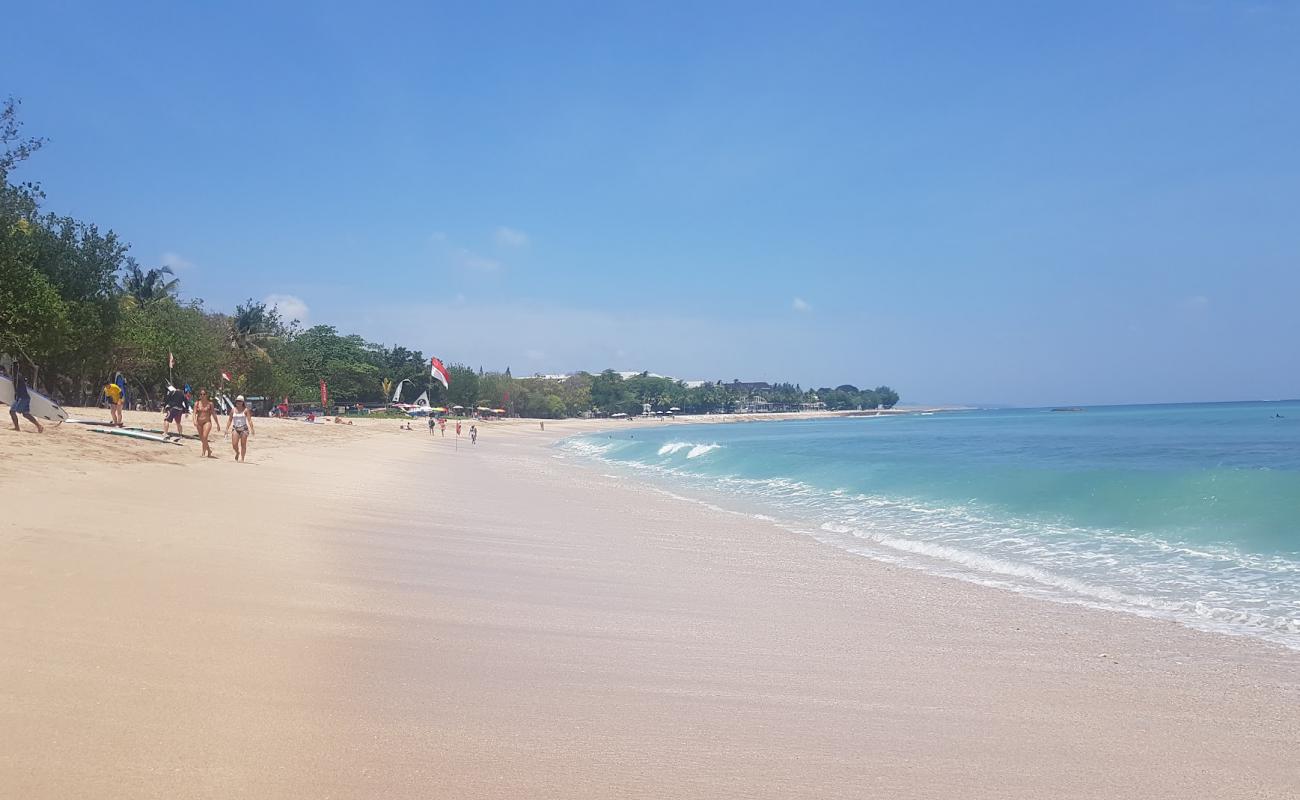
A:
[115,401]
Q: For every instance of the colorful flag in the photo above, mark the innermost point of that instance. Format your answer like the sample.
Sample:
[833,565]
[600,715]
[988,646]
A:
[324,395]
[225,376]
[439,373]
[171,360]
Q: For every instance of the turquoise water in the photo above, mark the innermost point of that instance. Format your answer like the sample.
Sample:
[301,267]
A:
[1184,512]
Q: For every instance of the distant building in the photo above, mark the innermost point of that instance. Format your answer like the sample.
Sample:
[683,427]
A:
[751,388]
[540,377]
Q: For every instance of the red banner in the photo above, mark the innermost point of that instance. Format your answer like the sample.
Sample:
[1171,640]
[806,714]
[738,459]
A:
[324,397]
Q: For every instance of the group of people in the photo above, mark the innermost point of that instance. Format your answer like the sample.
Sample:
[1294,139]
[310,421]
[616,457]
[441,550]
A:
[177,403]
[441,423]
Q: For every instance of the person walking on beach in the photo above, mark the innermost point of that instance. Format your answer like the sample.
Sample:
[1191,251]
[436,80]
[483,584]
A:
[205,414]
[115,400]
[473,434]
[22,402]
[241,427]
[174,405]
[457,428]
[442,426]
[432,422]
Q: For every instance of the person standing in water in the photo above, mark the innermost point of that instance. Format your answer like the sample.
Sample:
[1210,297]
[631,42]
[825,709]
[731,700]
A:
[22,402]
[241,427]
[205,414]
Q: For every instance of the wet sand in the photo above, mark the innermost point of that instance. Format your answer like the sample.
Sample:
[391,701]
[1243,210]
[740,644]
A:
[367,612]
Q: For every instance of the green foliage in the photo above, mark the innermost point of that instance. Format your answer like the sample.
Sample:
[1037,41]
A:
[148,287]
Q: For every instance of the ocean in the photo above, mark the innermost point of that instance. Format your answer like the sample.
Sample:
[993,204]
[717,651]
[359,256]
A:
[1182,512]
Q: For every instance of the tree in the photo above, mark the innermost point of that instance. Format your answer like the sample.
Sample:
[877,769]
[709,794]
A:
[888,397]
[464,386]
[147,287]
[252,325]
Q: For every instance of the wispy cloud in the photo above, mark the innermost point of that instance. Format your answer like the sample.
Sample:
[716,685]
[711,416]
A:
[437,236]
[509,237]
[1196,302]
[290,307]
[468,259]
[801,305]
[175,261]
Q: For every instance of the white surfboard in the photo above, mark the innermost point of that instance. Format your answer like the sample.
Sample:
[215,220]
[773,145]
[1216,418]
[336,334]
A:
[42,406]
[152,437]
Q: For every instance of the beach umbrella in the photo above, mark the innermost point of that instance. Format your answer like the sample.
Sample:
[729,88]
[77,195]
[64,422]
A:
[456,407]
[674,408]
[498,411]
[482,408]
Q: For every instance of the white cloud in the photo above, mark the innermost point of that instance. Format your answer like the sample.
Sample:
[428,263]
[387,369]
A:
[509,237]
[175,261]
[801,305]
[290,307]
[474,262]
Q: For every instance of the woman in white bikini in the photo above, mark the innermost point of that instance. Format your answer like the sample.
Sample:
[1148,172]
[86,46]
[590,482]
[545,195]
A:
[241,427]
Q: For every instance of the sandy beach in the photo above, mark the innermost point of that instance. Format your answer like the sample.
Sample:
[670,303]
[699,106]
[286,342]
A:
[363,611]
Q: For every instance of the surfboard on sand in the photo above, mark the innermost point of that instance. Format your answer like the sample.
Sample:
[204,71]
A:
[194,436]
[151,437]
[42,406]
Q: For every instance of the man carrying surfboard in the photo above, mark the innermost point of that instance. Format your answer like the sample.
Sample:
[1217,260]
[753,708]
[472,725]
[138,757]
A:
[22,402]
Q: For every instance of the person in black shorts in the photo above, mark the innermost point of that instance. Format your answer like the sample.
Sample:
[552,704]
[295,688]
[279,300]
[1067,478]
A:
[175,406]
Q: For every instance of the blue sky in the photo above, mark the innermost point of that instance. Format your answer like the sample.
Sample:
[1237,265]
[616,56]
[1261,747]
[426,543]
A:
[1023,203]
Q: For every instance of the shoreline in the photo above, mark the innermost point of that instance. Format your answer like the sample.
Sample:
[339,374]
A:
[360,611]
[687,489]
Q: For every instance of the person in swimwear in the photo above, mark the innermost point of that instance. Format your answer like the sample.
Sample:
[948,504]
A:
[241,427]
[205,414]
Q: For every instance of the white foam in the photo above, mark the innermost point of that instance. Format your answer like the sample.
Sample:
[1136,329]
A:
[1209,587]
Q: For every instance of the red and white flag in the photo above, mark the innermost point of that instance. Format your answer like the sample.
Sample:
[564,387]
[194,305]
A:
[171,360]
[439,373]
[225,376]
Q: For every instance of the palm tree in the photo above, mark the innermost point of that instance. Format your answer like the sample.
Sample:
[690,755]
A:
[252,324]
[147,287]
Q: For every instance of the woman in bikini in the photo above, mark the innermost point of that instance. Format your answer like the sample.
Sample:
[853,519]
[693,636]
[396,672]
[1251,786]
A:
[205,414]
[241,427]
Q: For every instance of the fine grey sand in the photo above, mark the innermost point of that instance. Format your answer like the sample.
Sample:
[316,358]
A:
[363,612]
